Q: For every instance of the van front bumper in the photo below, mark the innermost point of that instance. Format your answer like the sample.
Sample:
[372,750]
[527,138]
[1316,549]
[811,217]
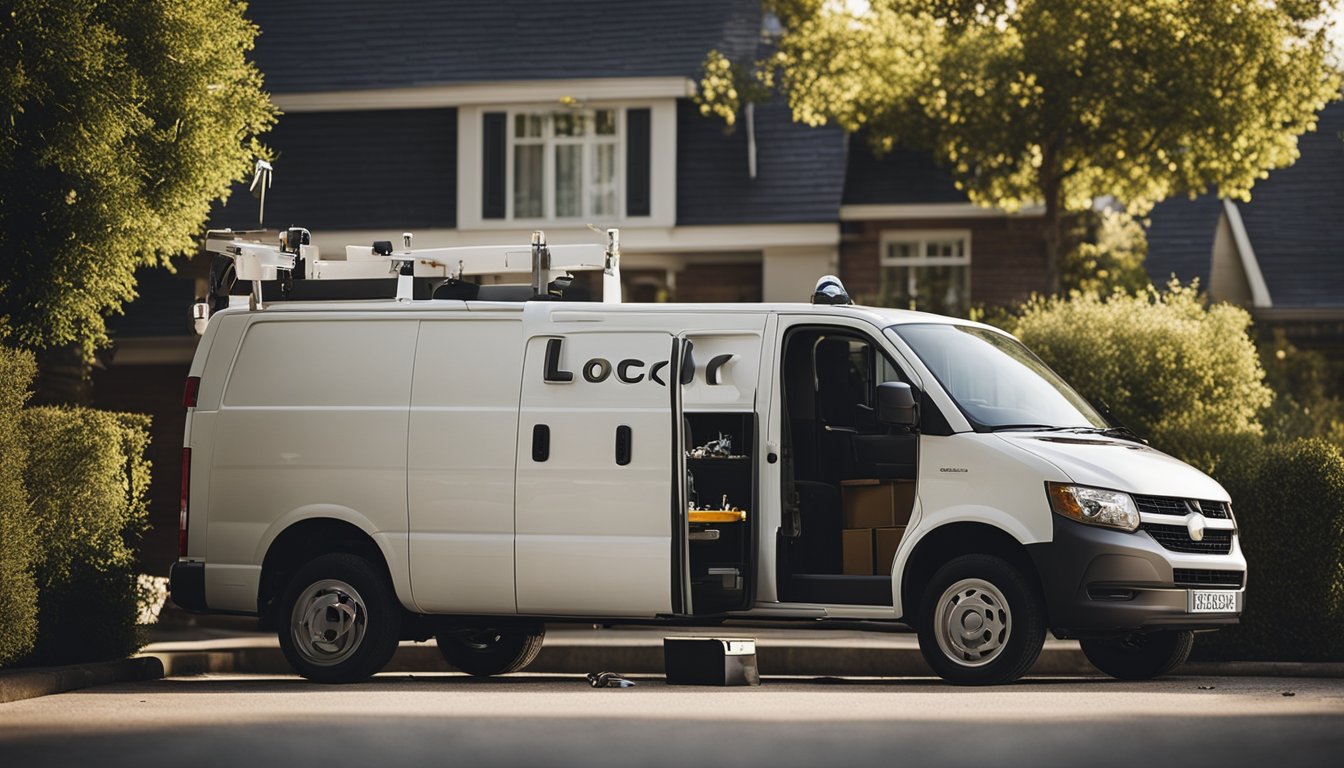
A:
[1100,581]
[186,585]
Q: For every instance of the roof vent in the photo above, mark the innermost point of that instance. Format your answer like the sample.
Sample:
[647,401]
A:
[830,290]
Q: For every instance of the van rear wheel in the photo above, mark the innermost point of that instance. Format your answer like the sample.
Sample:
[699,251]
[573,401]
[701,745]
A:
[981,621]
[341,622]
[487,651]
[1139,656]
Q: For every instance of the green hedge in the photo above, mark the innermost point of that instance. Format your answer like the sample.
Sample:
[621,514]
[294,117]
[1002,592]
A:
[1168,366]
[1288,499]
[87,481]
[18,593]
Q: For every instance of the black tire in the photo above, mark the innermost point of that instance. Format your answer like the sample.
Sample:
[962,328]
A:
[1139,656]
[487,651]
[981,621]
[339,620]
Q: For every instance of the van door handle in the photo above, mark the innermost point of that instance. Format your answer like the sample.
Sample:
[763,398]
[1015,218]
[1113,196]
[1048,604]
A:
[541,442]
[623,441]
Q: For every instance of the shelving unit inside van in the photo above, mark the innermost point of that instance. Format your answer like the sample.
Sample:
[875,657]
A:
[722,494]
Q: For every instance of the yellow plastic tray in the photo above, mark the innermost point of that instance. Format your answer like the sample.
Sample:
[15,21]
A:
[718,515]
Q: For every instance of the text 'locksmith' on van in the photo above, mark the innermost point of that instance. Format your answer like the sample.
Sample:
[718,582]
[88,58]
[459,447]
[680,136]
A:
[466,461]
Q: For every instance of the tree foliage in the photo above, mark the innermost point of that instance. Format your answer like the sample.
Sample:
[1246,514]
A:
[1108,256]
[1060,101]
[122,122]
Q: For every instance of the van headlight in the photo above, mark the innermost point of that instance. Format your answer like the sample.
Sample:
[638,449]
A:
[1094,506]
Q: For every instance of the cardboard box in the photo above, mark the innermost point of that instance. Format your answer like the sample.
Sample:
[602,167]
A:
[885,542]
[876,503]
[857,551]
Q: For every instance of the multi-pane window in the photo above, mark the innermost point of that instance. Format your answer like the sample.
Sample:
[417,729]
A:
[926,271]
[565,164]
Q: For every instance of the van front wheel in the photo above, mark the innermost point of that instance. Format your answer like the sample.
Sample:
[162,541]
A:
[981,621]
[1139,656]
[342,620]
[487,651]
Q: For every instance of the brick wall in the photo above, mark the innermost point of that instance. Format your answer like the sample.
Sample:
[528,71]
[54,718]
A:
[719,282]
[1007,255]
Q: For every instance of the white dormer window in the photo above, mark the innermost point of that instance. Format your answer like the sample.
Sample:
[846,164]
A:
[562,165]
[565,164]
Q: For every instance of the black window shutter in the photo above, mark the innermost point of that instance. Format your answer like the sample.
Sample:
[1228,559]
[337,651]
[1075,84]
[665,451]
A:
[494,163]
[637,155]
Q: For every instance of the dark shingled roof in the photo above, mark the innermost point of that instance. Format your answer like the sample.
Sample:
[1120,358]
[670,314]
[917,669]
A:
[899,176]
[799,170]
[324,45]
[163,307]
[1295,222]
[356,170]
[1180,239]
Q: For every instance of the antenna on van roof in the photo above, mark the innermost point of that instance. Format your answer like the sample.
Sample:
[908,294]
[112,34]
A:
[261,181]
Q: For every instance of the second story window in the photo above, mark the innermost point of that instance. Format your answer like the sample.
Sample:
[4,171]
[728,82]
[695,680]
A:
[565,164]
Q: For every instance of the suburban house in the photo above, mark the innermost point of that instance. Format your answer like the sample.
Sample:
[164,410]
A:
[1280,255]
[911,239]
[478,122]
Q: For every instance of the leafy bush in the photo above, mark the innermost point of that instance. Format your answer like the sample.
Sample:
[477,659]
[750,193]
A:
[1288,499]
[1306,385]
[1166,365]
[18,593]
[87,480]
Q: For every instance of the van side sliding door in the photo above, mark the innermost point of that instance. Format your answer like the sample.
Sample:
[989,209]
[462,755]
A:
[595,472]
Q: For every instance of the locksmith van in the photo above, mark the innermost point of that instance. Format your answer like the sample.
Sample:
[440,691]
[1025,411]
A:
[359,472]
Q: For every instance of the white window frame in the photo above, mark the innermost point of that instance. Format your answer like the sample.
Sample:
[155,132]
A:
[549,141]
[662,162]
[921,239]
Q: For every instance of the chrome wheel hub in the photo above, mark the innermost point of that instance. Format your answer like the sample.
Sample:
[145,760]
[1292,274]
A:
[972,623]
[328,622]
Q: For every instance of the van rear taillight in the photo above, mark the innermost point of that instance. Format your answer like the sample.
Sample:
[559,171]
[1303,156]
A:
[186,490]
[189,393]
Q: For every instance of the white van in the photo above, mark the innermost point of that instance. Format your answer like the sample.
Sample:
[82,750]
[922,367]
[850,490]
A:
[363,472]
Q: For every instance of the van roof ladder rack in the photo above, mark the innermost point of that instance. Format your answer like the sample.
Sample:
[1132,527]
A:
[367,271]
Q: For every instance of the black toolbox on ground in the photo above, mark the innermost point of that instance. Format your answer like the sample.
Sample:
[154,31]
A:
[710,661]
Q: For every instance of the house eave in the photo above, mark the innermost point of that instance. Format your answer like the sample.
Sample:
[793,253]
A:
[486,93]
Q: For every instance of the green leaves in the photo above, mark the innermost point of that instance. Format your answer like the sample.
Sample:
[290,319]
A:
[1169,367]
[122,123]
[1063,101]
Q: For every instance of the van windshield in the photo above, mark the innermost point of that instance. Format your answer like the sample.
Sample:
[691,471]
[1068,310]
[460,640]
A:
[996,381]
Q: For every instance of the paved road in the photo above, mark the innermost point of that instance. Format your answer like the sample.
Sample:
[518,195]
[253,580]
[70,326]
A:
[445,719]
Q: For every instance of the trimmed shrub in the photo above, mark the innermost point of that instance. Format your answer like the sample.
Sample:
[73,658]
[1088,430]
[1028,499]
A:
[87,480]
[18,593]
[1289,503]
[1166,365]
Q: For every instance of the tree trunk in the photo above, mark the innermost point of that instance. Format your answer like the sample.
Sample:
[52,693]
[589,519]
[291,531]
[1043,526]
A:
[1050,229]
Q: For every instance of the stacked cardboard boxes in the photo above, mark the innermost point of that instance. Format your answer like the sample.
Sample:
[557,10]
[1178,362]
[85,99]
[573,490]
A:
[875,515]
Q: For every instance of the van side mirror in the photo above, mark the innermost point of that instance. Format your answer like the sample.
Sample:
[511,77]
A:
[896,404]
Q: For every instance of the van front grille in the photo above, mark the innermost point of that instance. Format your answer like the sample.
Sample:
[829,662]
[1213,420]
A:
[1177,539]
[1199,577]
[1165,505]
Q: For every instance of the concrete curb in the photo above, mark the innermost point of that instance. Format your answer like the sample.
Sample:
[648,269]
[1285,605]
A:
[775,658]
[631,655]
[30,683]
[1321,669]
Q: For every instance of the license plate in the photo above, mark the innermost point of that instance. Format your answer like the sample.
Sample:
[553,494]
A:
[1211,601]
